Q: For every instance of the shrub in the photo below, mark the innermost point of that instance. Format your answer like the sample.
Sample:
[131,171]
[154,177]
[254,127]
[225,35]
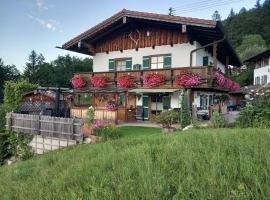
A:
[184,116]
[90,116]
[4,147]
[106,132]
[218,120]
[166,118]
[246,117]
[2,118]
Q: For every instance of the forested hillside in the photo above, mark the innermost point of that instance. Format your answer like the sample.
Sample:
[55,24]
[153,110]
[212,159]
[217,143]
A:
[246,22]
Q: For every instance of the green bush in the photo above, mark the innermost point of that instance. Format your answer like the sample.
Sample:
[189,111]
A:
[2,118]
[246,117]
[184,113]
[107,132]
[218,120]
[90,116]
[4,147]
[167,118]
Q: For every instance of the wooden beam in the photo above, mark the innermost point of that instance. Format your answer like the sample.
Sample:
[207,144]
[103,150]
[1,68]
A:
[227,65]
[215,54]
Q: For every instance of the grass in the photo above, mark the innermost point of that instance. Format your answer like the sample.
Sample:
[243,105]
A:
[145,164]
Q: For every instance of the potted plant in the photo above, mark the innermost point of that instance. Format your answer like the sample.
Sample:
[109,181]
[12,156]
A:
[99,81]
[153,79]
[111,105]
[126,81]
[78,81]
[187,79]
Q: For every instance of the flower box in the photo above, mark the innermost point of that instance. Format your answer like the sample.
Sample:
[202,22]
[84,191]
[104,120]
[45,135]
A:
[126,81]
[187,79]
[99,81]
[78,81]
[153,79]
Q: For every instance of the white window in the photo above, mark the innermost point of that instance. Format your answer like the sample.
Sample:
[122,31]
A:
[120,65]
[157,62]
[264,79]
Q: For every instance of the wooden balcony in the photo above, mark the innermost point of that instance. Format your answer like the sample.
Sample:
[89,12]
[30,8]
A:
[170,74]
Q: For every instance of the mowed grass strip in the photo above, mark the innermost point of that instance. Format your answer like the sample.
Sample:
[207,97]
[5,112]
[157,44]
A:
[146,164]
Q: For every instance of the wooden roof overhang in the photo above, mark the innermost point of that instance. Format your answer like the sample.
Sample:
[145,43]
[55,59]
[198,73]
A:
[258,56]
[201,30]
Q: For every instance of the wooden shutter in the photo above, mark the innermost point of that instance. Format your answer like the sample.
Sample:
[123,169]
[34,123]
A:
[146,62]
[205,61]
[128,64]
[111,65]
[167,60]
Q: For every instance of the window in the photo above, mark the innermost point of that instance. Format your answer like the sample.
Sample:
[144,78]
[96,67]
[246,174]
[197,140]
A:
[257,80]
[264,79]
[122,99]
[120,65]
[157,62]
[205,61]
[82,99]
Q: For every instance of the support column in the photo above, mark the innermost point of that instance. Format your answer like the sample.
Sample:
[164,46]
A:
[227,66]
[215,54]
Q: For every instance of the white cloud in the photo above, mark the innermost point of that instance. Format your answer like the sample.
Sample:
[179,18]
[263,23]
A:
[41,5]
[48,24]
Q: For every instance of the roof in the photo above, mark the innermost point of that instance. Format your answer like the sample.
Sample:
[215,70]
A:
[258,56]
[203,30]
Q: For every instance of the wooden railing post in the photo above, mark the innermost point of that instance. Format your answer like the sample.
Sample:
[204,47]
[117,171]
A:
[9,121]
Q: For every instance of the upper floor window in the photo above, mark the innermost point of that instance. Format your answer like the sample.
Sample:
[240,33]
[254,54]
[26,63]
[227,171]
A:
[120,64]
[264,79]
[157,61]
[257,80]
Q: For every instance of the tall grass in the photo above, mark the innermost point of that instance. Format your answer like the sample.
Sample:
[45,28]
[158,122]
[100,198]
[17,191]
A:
[200,164]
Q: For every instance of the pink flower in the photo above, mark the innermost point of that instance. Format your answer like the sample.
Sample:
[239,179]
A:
[220,78]
[111,106]
[98,124]
[188,79]
[99,81]
[78,81]
[125,81]
[153,79]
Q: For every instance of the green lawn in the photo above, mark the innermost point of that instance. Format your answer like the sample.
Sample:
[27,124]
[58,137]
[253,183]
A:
[146,164]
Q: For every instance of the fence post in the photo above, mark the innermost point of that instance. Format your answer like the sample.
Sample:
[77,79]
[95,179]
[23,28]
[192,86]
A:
[9,121]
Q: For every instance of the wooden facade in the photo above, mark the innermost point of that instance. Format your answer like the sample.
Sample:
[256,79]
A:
[140,38]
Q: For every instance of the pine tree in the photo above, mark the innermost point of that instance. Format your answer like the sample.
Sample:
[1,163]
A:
[216,16]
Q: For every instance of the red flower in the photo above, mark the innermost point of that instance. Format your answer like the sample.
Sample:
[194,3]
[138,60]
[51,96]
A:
[78,81]
[188,79]
[125,81]
[99,81]
[153,79]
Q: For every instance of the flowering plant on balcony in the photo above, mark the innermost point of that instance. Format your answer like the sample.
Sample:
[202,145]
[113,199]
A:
[153,79]
[188,79]
[78,81]
[228,83]
[126,81]
[99,81]
[236,86]
[220,78]
[111,105]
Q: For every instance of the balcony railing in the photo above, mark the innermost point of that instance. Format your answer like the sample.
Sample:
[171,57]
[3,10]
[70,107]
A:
[205,73]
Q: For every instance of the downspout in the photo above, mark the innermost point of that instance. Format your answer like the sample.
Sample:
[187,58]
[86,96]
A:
[207,45]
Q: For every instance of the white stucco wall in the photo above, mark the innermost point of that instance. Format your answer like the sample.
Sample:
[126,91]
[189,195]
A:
[180,55]
[201,53]
[261,72]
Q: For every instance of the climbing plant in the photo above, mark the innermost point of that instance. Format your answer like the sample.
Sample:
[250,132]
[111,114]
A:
[184,114]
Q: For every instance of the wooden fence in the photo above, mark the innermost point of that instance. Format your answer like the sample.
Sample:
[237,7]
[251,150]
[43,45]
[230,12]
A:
[45,125]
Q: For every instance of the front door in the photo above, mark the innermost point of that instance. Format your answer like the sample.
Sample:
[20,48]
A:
[145,105]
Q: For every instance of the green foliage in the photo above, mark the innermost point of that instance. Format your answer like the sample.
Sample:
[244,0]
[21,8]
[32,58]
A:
[90,116]
[167,118]
[4,147]
[256,114]
[184,113]
[251,45]
[218,120]
[198,164]
[2,117]
[245,77]
[19,147]
[14,91]
[7,73]
[253,21]
[107,132]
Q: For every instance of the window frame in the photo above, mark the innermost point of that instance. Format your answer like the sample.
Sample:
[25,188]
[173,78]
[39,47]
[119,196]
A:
[157,55]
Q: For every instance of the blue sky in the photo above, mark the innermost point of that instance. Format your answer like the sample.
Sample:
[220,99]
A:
[41,25]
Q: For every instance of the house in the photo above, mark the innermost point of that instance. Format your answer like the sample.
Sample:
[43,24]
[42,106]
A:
[261,65]
[43,102]
[142,63]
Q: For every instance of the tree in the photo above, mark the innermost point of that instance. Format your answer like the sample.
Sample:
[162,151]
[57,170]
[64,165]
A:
[242,10]
[216,16]
[258,4]
[32,66]
[245,77]
[7,73]
[231,14]
[251,45]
